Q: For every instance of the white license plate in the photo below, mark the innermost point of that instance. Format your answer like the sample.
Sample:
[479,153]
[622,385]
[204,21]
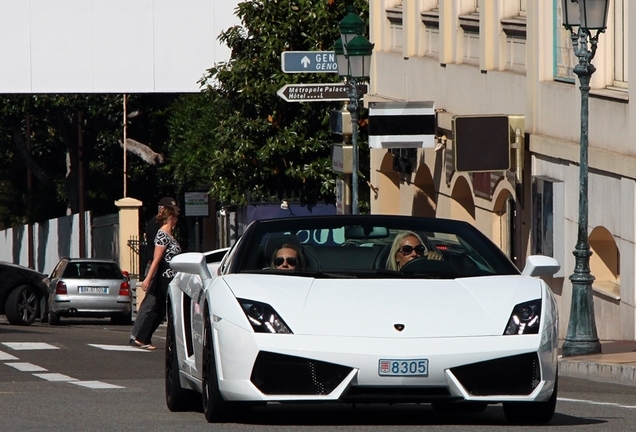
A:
[92,290]
[403,367]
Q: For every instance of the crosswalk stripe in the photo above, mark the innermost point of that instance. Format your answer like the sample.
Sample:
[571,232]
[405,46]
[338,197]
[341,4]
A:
[21,346]
[6,356]
[26,367]
[95,384]
[54,377]
[117,348]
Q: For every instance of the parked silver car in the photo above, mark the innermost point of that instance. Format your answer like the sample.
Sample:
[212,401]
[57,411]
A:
[88,287]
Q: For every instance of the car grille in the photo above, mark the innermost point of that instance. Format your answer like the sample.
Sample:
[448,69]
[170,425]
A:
[277,374]
[395,394]
[516,375]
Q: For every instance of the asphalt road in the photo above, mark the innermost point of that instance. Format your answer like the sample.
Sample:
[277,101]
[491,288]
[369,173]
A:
[82,376]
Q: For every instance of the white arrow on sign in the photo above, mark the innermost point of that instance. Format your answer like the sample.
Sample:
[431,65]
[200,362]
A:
[305,62]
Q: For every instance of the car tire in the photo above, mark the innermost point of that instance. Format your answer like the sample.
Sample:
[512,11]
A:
[215,408]
[177,398]
[54,319]
[531,412]
[121,319]
[22,306]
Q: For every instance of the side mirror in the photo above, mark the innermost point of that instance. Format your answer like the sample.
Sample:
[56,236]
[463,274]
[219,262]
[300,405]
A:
[540,265]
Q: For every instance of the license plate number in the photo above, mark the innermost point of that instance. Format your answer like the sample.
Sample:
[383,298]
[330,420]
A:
[411,367]
[93,290]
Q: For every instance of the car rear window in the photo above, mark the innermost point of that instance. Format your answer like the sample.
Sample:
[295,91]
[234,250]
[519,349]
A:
[84,270]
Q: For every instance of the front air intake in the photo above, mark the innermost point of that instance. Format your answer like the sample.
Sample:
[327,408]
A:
[516,375]
[277,374]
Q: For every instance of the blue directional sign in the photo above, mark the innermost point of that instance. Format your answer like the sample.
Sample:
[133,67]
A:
[309,62]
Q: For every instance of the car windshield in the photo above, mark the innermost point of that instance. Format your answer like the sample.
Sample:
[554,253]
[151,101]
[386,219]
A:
[361,246]
[94,270]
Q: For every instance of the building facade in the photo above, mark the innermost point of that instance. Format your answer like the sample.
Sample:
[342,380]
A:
[513,58]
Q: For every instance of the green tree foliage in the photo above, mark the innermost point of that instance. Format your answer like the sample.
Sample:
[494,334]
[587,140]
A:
[39,146]
[238,138]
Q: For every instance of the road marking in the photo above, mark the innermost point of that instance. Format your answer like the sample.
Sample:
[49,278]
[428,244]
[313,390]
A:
[5,356]
[54,377]
[26,367]
[22,346]
[117,348]
[597,403]
[95,385]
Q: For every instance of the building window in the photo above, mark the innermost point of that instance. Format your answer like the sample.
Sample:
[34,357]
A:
[564,58]
[395,16]
[605,263]
[514,26]
[548,219]
[620,43]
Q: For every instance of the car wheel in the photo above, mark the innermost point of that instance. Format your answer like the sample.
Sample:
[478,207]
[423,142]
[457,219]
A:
[215,408]
[54,319]
[22,307]
[121,319]
[177,398]
[531,412]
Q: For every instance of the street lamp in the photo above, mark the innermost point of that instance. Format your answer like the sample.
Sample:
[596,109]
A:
[353,57]
[587,15]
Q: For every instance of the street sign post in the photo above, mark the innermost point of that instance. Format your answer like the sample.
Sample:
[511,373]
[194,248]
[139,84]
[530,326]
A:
[316,92]
[309,62]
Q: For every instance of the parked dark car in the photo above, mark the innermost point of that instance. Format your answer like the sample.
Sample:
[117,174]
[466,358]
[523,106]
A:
[23,293]
[88,287]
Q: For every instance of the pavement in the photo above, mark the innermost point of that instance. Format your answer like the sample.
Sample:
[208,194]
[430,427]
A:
[616,364]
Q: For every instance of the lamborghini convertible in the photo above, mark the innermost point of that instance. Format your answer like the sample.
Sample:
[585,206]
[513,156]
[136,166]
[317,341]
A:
[465,330]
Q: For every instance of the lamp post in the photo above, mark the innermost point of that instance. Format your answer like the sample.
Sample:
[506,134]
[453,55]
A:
[587,15]
[353,56]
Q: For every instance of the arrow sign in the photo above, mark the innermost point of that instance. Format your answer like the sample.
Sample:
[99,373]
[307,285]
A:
[309,62]
[316,92]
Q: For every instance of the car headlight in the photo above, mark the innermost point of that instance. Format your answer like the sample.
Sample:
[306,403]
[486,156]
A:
[525,318]
[263,317]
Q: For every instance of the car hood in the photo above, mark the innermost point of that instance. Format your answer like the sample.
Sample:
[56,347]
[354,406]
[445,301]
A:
[12,275]
[479,306]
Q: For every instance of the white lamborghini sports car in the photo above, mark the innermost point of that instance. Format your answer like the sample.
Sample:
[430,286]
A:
[466,330]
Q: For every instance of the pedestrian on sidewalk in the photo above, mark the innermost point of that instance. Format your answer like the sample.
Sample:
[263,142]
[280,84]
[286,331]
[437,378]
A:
[149,299]
[159,275]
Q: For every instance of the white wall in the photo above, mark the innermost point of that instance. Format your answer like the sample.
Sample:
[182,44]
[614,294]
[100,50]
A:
[52,240]
[110,46]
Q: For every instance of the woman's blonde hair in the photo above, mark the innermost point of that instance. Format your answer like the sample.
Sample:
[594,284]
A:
[166,212]
[391,263]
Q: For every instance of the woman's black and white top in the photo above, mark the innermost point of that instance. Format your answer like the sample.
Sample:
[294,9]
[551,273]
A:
[172,248]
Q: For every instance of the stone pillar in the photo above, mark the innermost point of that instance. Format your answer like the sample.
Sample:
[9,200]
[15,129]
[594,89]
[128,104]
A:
[128,228]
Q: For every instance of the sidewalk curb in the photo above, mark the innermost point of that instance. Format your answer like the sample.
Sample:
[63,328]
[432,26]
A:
[593,370]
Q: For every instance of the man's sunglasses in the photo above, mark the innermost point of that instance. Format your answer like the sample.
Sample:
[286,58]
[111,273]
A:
[292,261]
[408,249]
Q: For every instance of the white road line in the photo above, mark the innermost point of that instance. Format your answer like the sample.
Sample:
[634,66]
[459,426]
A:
[95,385]
[20,346]
[596,403]
[54,377]
[26,367]
[117,347]
[4,356]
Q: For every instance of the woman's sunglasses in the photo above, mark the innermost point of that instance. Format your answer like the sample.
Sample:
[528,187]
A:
[408,249]
[292,261]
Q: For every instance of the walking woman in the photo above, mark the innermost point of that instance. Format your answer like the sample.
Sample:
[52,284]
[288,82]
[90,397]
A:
[166,247]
